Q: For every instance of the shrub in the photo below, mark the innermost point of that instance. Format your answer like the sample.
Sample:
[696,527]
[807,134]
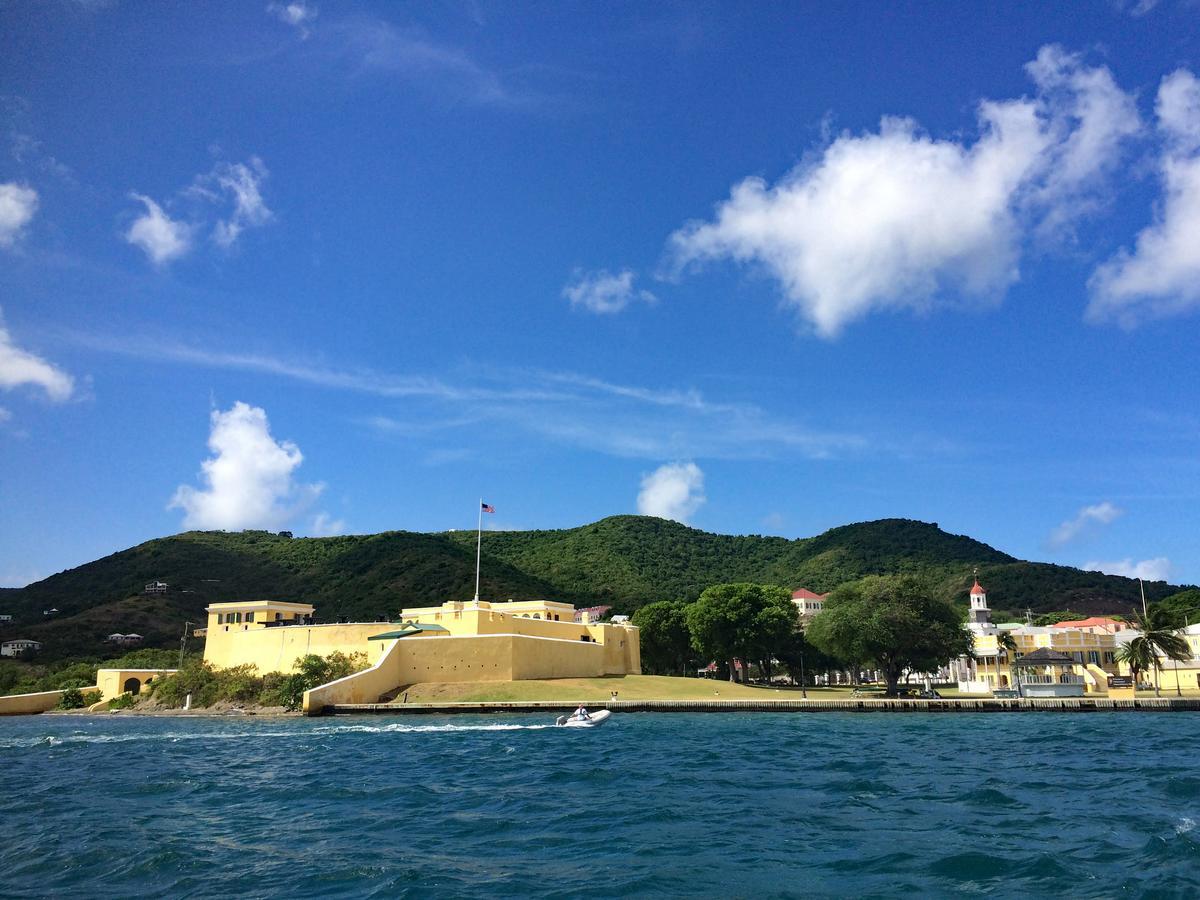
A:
[72,698]
[124,701]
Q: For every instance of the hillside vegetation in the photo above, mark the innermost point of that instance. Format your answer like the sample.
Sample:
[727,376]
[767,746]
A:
[622,561]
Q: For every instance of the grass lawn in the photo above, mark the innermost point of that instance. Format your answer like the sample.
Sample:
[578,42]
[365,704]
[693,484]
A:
[628,687]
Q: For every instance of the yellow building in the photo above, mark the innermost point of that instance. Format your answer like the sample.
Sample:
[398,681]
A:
[1093,654]
[457,641]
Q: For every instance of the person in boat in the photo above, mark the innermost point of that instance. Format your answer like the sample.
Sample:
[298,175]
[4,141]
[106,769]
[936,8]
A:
[582,714]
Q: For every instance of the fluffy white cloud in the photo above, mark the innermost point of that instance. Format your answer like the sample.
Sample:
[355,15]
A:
[1157,569]
[157,234]
[1098,514]
[249,480]
[895,218]
[240,182]
[1161,276]
[604,292]
[672,491]
[20,367]
[297,13]
[17,206]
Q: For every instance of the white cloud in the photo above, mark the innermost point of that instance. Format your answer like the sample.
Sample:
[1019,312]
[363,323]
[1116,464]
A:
[672,491]
[325,525]
[249,480]
[237,185]
[603,292]
[895,219]
[1161,277]
[157,234]
[1099,514]
[1157,569]
[20,367]
[297,13]
[240,182]
[5,415]
[18,203]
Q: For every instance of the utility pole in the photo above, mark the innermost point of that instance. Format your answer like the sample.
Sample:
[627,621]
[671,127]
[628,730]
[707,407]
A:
[183,642]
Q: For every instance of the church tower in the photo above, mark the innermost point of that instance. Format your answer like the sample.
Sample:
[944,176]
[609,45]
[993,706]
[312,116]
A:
[980,613]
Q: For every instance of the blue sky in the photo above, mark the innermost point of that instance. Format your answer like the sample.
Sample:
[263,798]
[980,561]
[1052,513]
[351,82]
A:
[761,268]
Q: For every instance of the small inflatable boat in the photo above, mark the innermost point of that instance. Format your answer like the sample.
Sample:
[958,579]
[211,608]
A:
[594,720]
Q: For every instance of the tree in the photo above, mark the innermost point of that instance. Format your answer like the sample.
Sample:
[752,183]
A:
[1161,639]
[892,621]
[666,643]
[741,621]
[1181,609]
[1135,654]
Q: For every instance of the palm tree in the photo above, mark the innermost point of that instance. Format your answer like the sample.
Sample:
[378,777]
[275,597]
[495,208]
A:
[1005,643]
[1138,656]
[1163,641]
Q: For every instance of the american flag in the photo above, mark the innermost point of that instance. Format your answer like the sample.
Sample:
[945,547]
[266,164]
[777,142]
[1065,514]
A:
[487,507]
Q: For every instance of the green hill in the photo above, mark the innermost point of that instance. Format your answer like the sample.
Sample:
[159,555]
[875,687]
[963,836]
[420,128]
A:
[623,561]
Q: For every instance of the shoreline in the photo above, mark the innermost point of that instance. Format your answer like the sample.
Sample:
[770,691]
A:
[1064,704]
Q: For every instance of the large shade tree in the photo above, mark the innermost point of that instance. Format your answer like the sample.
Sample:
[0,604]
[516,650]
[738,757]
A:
[892,621]
[666,643]
[741,621]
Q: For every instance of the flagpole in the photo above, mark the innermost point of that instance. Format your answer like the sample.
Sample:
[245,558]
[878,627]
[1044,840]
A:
[478,548]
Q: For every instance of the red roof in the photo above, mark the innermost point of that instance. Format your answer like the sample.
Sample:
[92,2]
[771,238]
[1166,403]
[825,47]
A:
[1086,623]
[806,594]
[978,589]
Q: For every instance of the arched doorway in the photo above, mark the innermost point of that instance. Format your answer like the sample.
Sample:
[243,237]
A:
[132,685]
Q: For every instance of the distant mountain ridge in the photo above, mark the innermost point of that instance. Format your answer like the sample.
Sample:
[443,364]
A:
[623,561]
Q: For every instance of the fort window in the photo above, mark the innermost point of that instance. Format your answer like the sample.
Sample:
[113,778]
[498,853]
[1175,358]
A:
[249,617]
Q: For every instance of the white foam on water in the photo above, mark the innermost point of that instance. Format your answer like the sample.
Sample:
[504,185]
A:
[53,740]
[1185,825]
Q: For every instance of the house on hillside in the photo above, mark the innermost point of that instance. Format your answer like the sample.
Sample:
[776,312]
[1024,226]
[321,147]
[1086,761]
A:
[808,603]
[20,648]
[124,640]
[5,620]
[156,587]
[50,613]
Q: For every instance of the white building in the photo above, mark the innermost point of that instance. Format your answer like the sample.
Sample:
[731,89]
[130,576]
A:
[20,647]
[807,603]
[156,587]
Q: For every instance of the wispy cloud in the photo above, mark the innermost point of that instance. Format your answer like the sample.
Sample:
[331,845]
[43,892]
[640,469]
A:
[376,46]
[296,13]
[562,407]
[18,203]
[1157,569]
[604,292]
[235,186]
[1096,514]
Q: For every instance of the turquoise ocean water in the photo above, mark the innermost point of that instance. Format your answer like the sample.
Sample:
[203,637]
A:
[719,805]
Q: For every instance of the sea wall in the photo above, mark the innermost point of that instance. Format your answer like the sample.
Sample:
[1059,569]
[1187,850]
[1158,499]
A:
[1082,704]
[29,704]
[485,657]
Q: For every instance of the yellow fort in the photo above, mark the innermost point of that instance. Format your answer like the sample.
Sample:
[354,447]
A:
[458,641]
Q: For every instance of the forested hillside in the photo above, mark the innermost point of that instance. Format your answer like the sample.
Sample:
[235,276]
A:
[623,561]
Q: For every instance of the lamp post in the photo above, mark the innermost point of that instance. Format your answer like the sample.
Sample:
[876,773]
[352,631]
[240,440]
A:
[803,680]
